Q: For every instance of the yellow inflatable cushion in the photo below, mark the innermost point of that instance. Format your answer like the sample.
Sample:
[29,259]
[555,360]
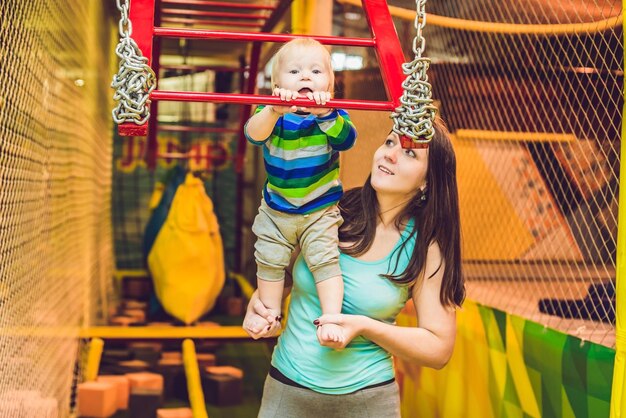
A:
[187,258]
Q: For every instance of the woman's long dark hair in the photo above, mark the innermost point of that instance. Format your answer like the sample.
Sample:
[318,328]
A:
[436,220]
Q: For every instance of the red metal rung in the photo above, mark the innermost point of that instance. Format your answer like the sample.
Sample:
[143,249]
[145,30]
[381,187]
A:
[130,129]
[226,15]
[191,96]
[408,143]
[189,67]
[202,129]
[252,36]
[220,4]
[211,22]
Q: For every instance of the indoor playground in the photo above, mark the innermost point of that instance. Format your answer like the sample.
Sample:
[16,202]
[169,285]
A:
[128,191]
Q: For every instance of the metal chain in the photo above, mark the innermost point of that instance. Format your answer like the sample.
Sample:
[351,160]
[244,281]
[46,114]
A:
[134,80]
[415,116]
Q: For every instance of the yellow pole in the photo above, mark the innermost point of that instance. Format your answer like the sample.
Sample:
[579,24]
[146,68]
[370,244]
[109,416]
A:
[505,28]
[617,399]
[194,384]
[312,17]
[93,359]
[298,17]
[320,17]
[244,285]
[474,134]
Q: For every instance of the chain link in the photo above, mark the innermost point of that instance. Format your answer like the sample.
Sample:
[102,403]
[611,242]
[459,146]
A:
[415,116]
[134,80]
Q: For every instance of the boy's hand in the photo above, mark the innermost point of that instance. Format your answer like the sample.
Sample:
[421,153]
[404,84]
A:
[287,96]
[319,97]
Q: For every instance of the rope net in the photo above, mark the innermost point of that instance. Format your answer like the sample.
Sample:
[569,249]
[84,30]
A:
[533,97]
[55,187]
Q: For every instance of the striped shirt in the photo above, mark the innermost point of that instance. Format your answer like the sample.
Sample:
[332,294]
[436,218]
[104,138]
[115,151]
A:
[302,161]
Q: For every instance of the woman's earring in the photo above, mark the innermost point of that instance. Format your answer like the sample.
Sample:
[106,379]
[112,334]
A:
[423,196]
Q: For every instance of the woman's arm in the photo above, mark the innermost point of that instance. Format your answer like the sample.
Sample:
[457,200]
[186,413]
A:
[429,344]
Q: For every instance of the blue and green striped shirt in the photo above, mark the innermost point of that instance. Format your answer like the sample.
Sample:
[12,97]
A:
[302,160]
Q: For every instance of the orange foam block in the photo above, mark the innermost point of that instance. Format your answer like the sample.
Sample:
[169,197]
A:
[97,399]
[137,314]
[225,370]
[122,321]
[168,362]
[134,304]
[134,365]
[145,380]
[122,386]
[174,413]
[145,345]
[205,360]
[209,324]
[171,355]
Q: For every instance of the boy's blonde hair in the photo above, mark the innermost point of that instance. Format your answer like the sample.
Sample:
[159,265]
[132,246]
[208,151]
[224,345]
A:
[302,43]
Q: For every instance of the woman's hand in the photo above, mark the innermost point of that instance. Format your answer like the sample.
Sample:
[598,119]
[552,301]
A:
[259,322]
[352,326]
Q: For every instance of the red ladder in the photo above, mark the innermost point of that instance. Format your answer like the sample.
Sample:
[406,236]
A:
[146,15]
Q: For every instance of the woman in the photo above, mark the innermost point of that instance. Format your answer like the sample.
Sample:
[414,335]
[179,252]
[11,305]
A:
[400,239]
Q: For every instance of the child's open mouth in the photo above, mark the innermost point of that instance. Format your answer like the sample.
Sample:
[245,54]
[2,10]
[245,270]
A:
[305,90]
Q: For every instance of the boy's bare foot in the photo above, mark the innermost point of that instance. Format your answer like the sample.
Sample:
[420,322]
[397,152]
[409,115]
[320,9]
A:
[331,333]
